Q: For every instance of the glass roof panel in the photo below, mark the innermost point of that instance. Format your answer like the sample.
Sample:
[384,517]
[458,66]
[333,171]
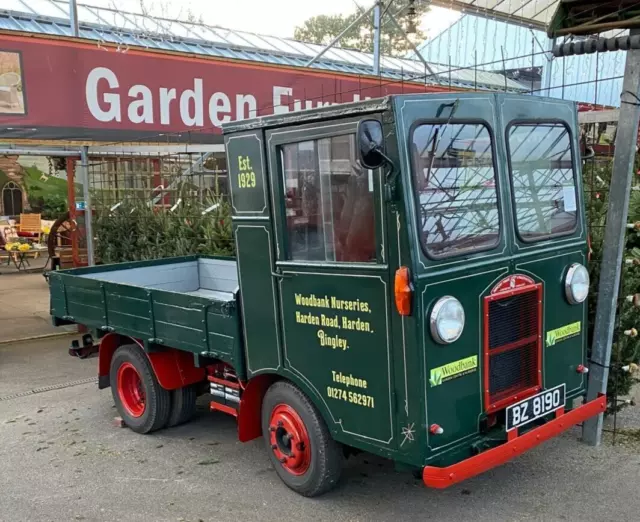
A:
[259,42]
[47,8]
[14,5]
[232,37]
[179,29]
[208,35]
[282,44]
[88,16]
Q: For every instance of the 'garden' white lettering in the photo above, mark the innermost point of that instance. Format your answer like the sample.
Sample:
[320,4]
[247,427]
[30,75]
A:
[108,102]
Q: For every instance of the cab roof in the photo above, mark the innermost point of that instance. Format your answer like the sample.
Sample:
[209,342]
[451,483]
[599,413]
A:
[355,108]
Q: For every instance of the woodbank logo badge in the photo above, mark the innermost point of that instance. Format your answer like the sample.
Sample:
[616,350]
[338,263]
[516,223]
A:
[453,370]
[563,333]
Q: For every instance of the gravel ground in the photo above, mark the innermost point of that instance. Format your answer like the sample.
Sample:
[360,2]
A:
[63,459]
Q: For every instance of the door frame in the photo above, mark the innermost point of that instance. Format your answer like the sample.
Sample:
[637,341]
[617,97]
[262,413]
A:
[284,268]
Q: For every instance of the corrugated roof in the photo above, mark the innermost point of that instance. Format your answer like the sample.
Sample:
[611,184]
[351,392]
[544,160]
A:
[132,29]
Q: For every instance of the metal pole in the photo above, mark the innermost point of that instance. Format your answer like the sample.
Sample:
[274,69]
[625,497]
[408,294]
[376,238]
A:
[73,18]
[614,239]
[376,37]
[88,212]
[39,152]
[547,71]
[337,38]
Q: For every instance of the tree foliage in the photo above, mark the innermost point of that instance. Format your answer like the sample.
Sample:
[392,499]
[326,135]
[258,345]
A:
[626,347]
[322,29]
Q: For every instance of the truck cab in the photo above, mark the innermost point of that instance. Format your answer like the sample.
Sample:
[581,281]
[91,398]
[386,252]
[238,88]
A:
[415,264]
[409,281]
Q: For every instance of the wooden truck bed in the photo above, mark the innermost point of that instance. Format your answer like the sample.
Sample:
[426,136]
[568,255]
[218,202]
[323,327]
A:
[189,303]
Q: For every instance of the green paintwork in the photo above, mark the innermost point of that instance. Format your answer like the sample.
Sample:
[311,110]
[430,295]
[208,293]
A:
[157,317]
[378,378]
[245,159]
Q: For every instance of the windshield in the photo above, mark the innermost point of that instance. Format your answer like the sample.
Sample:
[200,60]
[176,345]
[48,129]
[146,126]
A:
[544,190]
[455,185]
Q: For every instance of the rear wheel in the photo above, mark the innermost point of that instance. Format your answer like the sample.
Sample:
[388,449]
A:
[183,405]
[301,449]
[142,403]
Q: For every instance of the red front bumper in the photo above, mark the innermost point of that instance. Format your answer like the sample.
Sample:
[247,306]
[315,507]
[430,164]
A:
[444,477]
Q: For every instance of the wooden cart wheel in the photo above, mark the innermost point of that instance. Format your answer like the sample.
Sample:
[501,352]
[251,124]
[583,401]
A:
[60,234]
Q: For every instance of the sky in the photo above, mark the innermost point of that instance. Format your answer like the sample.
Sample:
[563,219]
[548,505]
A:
[270,17]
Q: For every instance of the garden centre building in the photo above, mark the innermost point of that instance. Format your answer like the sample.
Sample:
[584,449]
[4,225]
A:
[146,97]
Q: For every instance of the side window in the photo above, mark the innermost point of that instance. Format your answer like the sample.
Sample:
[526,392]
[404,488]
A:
[329,201]
[542,179]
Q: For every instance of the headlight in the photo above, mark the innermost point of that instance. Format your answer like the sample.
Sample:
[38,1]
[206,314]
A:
[576,285]
[447,320]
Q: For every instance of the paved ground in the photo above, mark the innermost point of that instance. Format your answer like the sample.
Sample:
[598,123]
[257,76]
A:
[63,460]
[24,306]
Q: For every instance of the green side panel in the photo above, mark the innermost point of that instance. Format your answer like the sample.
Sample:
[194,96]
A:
[179,323]
[84,302]
[222,333]
[225,339]
[337,340]
[246,167]
[57,302]
[258,299]
[128,312]
[563,348]
[456,401]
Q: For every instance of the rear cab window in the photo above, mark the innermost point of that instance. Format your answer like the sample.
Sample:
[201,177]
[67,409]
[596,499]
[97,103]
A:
[454,179]
[542,180]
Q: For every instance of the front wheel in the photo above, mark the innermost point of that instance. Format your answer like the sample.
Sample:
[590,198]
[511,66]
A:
[142,403]
[300,447]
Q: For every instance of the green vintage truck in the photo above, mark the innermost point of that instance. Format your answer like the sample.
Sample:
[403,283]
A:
[410,281]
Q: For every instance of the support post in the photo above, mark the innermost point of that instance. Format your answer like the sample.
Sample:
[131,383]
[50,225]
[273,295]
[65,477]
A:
[376,37]
[547,71]
[73,18]
[88,212]
[614,239]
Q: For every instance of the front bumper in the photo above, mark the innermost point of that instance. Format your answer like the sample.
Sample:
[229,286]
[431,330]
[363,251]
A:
[441,478]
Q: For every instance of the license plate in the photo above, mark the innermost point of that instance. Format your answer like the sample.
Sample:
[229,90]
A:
[535,407]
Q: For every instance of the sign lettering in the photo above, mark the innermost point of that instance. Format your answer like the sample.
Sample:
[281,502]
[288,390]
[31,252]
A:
[563,333]
[453,370]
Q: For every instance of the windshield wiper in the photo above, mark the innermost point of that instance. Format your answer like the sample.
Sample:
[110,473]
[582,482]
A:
[437,136]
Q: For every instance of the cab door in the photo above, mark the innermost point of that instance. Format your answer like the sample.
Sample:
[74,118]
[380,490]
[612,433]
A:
[332,278]
[549,223]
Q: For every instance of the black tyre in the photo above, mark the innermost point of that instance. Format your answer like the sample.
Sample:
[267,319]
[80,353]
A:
[142,403]
[183,405]
[300,447]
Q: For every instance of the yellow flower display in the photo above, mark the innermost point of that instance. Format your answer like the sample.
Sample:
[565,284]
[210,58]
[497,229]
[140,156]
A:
[24,247]
[10,246]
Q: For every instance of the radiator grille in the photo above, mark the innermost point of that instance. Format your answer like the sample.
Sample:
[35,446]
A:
[512,347]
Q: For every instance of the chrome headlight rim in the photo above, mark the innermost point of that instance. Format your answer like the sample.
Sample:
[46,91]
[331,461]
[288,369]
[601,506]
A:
[433,319]
[568,284]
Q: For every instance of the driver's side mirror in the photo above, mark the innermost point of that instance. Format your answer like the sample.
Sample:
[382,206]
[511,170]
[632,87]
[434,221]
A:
[371,144]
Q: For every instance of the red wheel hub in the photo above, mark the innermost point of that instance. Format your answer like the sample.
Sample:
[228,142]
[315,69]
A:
[130,390]
[289,439]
